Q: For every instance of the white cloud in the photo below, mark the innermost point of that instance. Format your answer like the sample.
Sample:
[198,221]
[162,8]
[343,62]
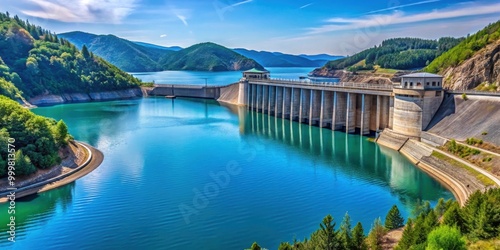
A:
[182,18]
[305,5]
[163,35]
[403,6]
[240,3]
[84,11]
[399,17]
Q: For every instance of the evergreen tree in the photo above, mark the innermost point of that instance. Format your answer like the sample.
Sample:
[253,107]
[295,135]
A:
[61,133]
[419,231]
[285,246]
[394,219]
[328,230]
[440,208]
[23,164]
[255,246]
[408,238]
[85,52]
[453,217]
[345,234]
[376,235]
[358,238]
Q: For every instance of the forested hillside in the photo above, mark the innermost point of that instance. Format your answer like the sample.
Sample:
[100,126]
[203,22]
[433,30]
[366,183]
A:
[207,56]
[36,139]
[124,54]
[38,62]
[143,57]
[473,63]
[396,53]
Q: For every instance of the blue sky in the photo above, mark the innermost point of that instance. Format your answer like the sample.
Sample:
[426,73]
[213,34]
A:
[299,26]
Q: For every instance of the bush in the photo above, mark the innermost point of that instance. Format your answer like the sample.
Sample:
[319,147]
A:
[464,97]
[445,237]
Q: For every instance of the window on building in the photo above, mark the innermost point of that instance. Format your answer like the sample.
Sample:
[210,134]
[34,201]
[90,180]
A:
[411,84]
[433,84]
[438,93]
[419,84]
[427,83]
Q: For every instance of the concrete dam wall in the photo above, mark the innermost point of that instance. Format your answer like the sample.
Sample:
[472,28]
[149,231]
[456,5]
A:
[194,91]
[462,119]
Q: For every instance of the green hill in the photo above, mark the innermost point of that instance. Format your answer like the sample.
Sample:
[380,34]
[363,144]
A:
[124,54]
[143,57]
[396,53]
[38,62]
[466,49]
[474,63]
[207,56]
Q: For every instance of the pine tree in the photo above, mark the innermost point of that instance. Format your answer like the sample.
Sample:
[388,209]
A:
[85,52]
[255,246]
[376,235]
[408,238]
[328,230]
[358,238]
[394,219]
[440,208]
[345,234]
[453,217]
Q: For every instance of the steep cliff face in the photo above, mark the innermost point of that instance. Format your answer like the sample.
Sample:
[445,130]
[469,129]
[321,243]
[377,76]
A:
[346,76]
[483,67]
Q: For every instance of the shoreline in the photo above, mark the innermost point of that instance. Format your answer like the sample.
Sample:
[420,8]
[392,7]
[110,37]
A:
[457,188]
[94,160]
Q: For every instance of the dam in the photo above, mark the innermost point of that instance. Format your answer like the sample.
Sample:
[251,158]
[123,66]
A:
[403,110]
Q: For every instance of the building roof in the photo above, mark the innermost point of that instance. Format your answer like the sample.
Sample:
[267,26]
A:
[421,74]
[254,70]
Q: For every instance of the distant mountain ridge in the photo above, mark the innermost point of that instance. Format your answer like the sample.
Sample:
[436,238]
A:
[144,57]
[174,48]
[278,59]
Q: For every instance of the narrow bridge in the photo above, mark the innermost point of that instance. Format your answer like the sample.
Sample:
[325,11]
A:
[340,105]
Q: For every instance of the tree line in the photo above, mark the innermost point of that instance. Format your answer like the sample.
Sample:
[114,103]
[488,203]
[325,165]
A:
[37,139]
[397,53]
[38,62]
[466,49]
[446,226]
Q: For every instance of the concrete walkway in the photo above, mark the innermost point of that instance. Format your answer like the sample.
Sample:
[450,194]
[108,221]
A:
[95,158]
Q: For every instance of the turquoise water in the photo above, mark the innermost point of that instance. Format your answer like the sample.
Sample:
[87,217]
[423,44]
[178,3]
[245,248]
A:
[274,180]
[215,78]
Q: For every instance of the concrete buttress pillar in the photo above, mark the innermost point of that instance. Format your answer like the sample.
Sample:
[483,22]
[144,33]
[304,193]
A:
[351,113]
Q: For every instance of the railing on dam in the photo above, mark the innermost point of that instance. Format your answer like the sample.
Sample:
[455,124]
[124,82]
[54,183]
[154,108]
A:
[473,92]
[189,86]
[355,85]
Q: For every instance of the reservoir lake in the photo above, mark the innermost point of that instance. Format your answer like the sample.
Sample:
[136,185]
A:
[192,174]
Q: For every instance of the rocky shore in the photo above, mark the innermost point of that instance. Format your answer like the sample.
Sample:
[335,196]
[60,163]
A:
[46,100]
[364,77]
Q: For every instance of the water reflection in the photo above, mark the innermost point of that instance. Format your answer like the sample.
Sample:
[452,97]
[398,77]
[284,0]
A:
[37,208]
[352,154]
